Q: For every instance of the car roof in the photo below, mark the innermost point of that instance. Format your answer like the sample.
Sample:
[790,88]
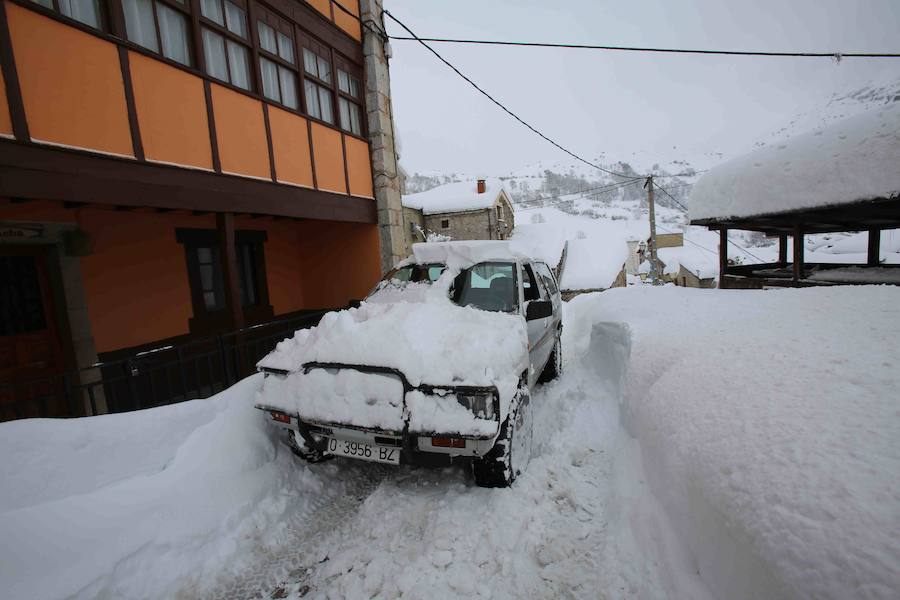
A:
[465,253]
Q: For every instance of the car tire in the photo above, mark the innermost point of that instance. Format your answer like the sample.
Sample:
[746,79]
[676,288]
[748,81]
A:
[299,449]
[512,450]
[553,368]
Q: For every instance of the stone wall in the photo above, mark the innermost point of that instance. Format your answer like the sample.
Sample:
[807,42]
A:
[385,166]
[472,225]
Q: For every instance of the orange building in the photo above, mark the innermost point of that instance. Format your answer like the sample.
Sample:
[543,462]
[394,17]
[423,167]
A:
[171,170]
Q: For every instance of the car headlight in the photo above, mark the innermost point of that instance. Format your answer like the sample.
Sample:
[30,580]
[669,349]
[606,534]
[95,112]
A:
[481,404]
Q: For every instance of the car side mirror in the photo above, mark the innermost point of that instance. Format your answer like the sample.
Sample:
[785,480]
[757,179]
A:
[538,309]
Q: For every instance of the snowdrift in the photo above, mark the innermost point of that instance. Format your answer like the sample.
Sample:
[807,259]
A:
[145,504]
[769,423]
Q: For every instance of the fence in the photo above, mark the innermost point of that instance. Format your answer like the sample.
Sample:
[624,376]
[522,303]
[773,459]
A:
[166,375]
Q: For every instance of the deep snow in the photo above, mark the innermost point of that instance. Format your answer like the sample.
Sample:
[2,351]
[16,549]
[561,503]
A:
[766,425]
[769,422]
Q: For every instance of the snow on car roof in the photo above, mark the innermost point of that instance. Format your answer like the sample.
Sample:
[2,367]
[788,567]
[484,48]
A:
[462,254]
[853,160]
[455,197]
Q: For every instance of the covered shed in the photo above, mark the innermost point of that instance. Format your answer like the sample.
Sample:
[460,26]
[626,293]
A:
[592,265]
[844,177]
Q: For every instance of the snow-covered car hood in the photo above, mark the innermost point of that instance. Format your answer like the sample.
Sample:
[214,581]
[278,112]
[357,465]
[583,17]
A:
[429,340]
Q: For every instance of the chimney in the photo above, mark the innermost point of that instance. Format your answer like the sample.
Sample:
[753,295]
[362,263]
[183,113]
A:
[481,186]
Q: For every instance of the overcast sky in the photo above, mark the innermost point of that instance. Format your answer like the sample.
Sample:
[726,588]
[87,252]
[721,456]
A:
[656,107]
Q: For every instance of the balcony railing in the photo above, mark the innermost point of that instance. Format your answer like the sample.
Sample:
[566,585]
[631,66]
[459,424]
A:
[165,375]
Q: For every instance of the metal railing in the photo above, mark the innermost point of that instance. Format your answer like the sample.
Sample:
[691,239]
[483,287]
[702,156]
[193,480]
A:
[165,375]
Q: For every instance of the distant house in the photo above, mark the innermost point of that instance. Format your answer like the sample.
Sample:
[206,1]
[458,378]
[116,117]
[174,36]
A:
[844,177]
[638,250]
[468,210]
[592,265]
[688,266]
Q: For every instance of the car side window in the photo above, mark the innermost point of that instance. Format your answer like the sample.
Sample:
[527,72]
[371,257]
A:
[547,276]
[531,285]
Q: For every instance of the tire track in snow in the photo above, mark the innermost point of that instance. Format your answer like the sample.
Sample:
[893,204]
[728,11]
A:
[298,549]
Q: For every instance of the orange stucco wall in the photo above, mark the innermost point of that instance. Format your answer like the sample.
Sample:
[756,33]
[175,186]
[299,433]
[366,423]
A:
[135,279]
[71,84]
[323,6]
[345,21]
[341,261]
[241,133]
[171,111]
[5,120]
[359,167]
[290,144]
[329,159]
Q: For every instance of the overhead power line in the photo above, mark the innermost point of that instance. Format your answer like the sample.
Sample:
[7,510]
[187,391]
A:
[834,55]
[500,104]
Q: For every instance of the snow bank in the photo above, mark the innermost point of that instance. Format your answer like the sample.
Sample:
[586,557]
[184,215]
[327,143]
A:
[769,422]
[116,447]
[455,197]
[852,160]
[146,504]
[594,264]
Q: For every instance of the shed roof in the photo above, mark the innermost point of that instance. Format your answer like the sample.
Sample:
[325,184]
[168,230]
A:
[850,162]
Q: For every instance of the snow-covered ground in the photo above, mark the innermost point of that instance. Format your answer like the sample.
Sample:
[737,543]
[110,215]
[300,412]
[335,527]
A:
[764,463]
[769,422]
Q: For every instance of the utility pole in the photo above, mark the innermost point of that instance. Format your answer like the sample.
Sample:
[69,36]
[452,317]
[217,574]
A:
[654,262]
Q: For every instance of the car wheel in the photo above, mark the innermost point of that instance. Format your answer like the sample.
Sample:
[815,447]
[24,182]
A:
[512,451]
[554,366]
[300,449]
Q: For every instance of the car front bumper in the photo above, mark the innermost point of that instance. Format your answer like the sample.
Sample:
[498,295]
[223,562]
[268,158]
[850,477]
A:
[417,448]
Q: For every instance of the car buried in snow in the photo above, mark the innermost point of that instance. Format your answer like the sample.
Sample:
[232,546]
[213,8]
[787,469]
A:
[434,367]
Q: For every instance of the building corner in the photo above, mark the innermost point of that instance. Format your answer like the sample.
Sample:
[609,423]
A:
[385,161]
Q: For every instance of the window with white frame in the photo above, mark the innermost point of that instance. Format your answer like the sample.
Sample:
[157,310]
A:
[160,26]
[226,40]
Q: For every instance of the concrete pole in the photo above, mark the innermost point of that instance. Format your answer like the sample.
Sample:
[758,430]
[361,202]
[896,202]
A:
[655,277]
[385,166]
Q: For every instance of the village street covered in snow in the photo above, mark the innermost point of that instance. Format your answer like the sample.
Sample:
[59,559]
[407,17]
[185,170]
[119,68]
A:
[409,299]
[676,457]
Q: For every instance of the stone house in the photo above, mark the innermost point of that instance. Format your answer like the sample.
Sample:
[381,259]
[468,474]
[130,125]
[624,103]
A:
[467,210]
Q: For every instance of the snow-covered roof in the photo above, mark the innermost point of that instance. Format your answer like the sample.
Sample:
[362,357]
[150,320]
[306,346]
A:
[853,160]
[455,197]
[594,263]
[694,259]
[464,253]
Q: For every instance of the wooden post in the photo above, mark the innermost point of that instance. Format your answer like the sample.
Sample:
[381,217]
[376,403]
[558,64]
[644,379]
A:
[874,247]
[798,255]
[228,258]
[723,256]
[782,249]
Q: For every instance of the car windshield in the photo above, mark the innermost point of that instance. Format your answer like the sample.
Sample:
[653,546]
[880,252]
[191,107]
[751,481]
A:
[416,273]
[488,286]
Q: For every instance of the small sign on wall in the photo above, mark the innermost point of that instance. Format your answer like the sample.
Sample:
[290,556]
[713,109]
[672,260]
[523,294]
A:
[11,234]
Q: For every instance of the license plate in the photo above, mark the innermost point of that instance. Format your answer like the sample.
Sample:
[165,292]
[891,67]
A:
[363,451]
